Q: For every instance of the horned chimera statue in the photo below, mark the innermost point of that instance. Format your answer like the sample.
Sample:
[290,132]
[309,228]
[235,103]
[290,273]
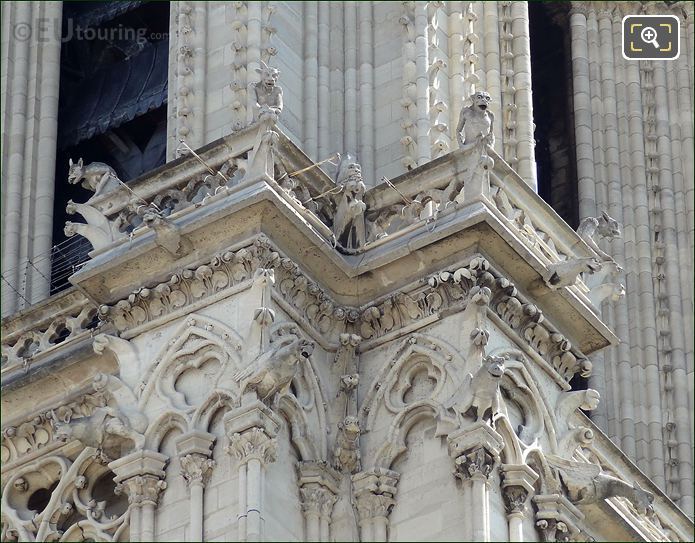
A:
[96,176]
[476,123]
[268,94]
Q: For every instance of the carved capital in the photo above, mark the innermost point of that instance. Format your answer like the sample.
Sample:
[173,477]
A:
[141,489]
[517,486]
[475,463]
[475,450]
[253,443]
[317,500]
[196,468]
[556,518]
[553,530]
[371,506]
[374,492]
[515,499]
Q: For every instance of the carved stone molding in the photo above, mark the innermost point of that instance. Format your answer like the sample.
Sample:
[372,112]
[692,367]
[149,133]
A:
[445,291]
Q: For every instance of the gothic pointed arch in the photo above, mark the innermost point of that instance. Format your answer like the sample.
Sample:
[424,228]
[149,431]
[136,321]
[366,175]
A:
[202,345]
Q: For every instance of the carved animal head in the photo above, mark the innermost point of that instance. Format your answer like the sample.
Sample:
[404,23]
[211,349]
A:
[62,432]
[590,265]
[591,399]
[608,227]
[642,499]
[349,170]
[305,348]
[482,100]
[269,76]
[76,171]
[495,365]
[350,427]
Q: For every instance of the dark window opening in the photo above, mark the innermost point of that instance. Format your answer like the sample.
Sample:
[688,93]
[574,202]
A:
[551,71]
[38,501]
[112,105]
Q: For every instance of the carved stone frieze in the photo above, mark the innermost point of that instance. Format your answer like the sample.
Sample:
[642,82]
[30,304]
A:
[223,271]
[36,433]
[61,329]
[445,291]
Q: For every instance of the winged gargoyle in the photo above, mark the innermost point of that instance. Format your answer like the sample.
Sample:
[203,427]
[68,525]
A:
[272,372]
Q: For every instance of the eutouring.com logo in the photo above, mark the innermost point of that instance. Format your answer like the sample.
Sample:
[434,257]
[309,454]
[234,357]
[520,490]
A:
[651,37]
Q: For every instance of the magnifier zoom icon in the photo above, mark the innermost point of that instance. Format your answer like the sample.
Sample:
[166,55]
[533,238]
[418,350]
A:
[648,35]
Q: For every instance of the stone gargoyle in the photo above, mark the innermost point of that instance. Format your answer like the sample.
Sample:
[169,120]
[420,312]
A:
[571,435]
[108,425]
[587,484]
[480,394]
[346,453]
[565,273]
[475,124]
[268,94]
[96,176]
[99,230]
[605,227]
[349,220]
[272,372]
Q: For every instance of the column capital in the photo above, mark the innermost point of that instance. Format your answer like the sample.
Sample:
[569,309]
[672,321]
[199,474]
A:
[253,443]
[142,462]
[196,468]
[371,506]
[141,489]
[140,475]
[251,431]
[195,442]
[517,486]
[317,499]
[475,450]
[556,518]
[194,453]
[374,492]
[319,473]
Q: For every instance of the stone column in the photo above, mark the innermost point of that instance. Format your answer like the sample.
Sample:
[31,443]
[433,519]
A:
[318,488]
[517,486]
[557,519]
[251,432]
[374,492]
[475,450]
[140,475]
[196,466]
